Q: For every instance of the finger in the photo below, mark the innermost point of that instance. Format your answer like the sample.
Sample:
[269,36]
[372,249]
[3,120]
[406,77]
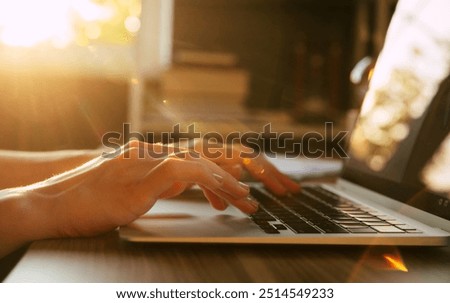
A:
[272,178]
[176,189]
[235,170]
[279,183]
[215,201]
[230,188]
[272,183]
[247,205]
[202,172]
[291,185]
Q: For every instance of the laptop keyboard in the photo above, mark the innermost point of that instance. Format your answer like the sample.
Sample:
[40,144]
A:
[316,210]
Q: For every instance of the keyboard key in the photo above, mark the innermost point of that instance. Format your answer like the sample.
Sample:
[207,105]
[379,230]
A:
[394,221]
[342,217]
[414,231]
[345,221]
[280,227]
[262,215]
[388,229]
[300,228]
[261,197]
[329,227]
[362,230]
[384,217]
[357,213]
[381,223]
[408,228]
[317,205]
[404,226]
[353,225]
[366,220]
[267,228]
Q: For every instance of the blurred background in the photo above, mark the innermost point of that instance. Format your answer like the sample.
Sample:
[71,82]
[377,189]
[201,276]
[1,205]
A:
[71,71]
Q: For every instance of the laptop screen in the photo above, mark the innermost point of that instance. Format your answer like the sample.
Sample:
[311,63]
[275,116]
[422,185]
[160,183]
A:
[400,146]
[399,168]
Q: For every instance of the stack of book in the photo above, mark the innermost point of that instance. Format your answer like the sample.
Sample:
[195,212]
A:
[202,82]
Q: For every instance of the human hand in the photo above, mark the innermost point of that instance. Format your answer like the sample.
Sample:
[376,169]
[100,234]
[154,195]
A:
[111,191]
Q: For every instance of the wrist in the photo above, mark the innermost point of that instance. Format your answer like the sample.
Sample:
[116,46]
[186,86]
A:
[36,215]
[23,219]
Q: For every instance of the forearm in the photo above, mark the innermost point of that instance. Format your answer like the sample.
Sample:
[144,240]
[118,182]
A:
[22,168]
[53,208]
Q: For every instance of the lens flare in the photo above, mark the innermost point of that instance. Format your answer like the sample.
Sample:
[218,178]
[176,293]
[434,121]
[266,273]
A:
[395,262]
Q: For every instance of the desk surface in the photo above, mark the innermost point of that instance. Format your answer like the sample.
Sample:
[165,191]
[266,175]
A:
[108,259]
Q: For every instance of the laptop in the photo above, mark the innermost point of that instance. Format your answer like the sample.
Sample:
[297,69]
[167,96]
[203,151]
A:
[372,203]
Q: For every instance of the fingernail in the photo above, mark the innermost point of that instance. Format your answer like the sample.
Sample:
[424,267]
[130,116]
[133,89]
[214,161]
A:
[244,186]
[250,200]
[218,177]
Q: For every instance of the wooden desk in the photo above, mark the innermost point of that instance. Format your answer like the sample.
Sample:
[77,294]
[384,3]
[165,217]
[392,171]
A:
[108,259]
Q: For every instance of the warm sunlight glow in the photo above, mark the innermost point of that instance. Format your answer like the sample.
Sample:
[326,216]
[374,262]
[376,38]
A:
[27,23]
[90,11]
[395,262]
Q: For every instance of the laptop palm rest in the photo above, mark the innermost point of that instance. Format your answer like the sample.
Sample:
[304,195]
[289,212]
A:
[186,218]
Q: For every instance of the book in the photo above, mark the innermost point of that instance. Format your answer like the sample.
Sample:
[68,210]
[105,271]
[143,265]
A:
[205,81]
[205,58]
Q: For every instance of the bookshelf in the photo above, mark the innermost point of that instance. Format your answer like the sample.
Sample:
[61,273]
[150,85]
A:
[287,62]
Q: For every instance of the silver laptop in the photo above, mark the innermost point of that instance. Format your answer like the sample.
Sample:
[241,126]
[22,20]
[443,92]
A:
[388,205]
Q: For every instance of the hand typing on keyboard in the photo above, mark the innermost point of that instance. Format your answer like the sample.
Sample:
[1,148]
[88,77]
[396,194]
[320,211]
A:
[91,193]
